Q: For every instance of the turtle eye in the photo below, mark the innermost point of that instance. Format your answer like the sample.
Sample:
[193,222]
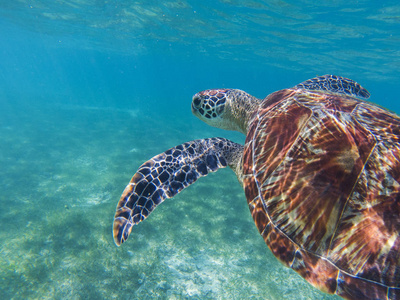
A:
[196,101]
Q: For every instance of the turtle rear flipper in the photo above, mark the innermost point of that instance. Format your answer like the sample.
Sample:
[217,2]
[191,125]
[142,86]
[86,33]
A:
[168,173]
[335,84]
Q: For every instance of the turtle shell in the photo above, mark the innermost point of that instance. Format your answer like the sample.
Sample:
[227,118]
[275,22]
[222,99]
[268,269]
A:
[322,180]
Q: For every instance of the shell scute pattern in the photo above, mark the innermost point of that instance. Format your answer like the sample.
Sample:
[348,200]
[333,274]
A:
[386,126]
[352,287]
[321,175]
[374,204]
[321,273]
[281,247]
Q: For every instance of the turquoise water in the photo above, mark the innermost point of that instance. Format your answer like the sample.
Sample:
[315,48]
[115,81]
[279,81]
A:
[89,90]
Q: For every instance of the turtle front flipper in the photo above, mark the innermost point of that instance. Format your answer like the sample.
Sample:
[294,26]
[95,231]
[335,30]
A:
[168,173]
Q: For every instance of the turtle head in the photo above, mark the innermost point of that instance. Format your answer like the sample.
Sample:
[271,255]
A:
[209,106]
[224,108]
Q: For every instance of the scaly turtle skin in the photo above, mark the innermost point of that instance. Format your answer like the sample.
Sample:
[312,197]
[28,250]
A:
[321,172]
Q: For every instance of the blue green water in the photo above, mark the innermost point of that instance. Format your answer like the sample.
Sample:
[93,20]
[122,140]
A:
[90,89]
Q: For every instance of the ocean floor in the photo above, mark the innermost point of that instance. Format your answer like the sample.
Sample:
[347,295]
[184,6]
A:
[62,172]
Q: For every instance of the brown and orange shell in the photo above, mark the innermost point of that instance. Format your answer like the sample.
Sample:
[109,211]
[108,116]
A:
[322,179]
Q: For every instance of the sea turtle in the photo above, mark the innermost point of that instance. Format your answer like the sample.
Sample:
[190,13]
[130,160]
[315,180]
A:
[321,172]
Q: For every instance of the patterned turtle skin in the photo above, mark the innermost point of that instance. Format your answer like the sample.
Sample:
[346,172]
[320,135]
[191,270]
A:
[168,173]
[321,172]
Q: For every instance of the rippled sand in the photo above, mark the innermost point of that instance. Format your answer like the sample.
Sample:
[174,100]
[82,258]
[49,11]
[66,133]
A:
[62,173]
